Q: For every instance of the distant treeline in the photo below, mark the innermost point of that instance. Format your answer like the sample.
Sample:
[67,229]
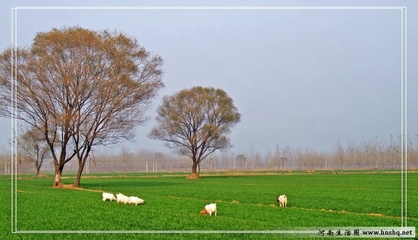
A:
[368,154]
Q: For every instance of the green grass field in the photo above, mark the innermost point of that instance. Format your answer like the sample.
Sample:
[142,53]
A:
[245,202]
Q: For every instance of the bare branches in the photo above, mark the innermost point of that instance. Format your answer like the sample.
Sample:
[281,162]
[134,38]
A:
[81,88]
[195,122]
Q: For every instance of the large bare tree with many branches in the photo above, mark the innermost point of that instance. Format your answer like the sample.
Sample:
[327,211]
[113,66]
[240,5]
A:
[195,122]
[80,88]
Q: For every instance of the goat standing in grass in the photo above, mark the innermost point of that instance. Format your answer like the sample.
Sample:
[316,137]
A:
[210,208]
[122,198]
[109,196]
[282,199]
[136,200]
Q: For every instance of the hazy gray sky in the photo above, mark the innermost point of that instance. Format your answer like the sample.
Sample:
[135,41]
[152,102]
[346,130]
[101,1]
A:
[300,77]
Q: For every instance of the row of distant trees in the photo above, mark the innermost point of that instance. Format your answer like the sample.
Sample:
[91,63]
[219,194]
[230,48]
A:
[367,154]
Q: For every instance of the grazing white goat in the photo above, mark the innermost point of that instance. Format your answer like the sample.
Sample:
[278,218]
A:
[210,208]
[136,200]
[122,198]
[109,196]
[282,199]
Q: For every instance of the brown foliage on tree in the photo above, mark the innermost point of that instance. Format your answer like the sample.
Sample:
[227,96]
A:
[80,88]
[195,122]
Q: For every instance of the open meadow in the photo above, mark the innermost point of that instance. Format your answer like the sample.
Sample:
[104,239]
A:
[245,201]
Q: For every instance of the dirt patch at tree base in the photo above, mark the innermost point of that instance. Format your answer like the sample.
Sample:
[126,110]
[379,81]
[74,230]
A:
[193,176]
[67,186]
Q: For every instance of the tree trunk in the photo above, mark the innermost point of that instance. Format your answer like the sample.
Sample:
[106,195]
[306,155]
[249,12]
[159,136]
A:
[194,167]
[58,174]
[81,165]
[38,165]
[194,174]
[77,178]
[38,169]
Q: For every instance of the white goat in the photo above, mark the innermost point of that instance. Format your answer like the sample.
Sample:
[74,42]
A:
[109,196]
[210,208]
[136,200]
[122,198]
[282,199]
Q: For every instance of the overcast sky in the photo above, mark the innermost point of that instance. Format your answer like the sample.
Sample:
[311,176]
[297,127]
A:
[302,78]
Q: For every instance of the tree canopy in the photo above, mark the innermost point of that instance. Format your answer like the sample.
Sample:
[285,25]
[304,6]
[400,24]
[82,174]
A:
[80,88]
[195,122]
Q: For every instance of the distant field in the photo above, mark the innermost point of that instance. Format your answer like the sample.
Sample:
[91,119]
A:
[246,201]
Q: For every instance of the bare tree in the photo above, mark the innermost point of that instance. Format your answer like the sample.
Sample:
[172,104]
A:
[340,154]
[242,161]
[127,157]
[195,122]
[32,144]
[277,158]
[80,88]
[4,162]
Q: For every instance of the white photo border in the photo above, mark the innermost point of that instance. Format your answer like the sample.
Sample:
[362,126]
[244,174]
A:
[404,130]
